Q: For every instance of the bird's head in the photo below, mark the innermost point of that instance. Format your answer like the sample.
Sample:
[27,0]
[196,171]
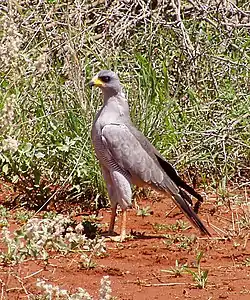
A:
[107,81]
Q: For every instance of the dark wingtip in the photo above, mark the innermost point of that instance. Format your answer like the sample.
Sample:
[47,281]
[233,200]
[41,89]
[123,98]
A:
[204,230]
[185,196]
[171,172]
[197,206]
[190,214]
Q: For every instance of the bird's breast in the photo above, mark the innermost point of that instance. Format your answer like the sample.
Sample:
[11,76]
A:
[100,147]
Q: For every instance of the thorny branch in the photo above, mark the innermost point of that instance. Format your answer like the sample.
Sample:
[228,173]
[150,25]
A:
[186,40]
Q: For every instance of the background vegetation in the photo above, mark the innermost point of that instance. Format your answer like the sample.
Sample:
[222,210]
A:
[184,66]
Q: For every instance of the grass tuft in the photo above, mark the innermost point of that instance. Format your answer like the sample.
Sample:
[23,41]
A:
[186,76]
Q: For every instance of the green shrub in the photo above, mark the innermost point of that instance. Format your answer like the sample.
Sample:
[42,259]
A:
[187,82]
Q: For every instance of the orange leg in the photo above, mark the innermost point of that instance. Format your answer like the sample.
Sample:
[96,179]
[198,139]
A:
[123,225]
[112,221]
[122,235]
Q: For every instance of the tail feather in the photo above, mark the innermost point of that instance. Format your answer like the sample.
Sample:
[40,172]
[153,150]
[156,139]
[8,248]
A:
[185,196]
[171,172]
[190,214]
[182,199]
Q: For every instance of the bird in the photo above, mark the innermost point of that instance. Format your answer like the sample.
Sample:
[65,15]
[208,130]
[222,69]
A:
[127,157]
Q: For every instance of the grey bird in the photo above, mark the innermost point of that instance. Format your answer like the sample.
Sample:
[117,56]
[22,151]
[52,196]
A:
[127,157]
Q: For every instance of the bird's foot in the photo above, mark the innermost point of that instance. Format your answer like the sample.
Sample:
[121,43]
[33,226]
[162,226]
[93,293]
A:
[118,238]
[114,237]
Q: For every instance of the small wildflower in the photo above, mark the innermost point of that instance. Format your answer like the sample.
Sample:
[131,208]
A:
[82,294]
[40,282]
[10,43]
[7,115]
[39,236]
[79,228]
[6,235]
[10,144]
[41,64]
[105,290]
[70,229]
[64,293]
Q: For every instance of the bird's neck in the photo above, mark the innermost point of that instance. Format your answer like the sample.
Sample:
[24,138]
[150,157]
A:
[111,94]
[117,106]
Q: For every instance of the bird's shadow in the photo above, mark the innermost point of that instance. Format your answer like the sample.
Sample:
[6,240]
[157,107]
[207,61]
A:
[143,236]
[135,235]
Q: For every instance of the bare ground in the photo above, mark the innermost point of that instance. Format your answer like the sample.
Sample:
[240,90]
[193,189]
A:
[135,266]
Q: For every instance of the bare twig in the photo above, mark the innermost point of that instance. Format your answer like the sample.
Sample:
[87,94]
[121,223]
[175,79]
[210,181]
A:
[34,273]
[165,284]
[186,40]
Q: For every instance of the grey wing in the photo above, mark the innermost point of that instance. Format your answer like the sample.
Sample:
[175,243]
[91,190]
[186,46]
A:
[128,153]
[168,168]
[131,155]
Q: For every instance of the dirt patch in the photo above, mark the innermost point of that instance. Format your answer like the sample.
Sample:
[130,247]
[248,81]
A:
[136,266]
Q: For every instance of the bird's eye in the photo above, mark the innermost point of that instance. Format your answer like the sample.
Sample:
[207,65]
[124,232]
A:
[105,78]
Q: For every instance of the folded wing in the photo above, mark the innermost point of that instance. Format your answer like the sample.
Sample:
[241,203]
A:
[135,156]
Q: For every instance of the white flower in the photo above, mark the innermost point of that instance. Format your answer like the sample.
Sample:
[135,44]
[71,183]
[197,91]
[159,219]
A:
[39,282]
[10,43]
[63,293]
[41,64]
[79,228]
[105,289]
[10,144]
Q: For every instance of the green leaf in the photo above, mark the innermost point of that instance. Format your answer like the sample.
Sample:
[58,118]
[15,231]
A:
[27,147]
[5,169]
[15,179]
[63,148]
[39,155]
[199,256]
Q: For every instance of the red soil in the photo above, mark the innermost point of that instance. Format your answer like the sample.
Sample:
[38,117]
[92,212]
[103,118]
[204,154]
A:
[135,266]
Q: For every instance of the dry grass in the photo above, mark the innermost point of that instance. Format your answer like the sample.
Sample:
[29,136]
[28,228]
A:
[185,67]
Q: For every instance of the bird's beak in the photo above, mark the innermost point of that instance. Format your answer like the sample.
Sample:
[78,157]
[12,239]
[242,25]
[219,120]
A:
[96,82]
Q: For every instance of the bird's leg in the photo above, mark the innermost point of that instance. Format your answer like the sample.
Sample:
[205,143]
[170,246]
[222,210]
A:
[122,236]
[123,225]
[112,221]
[122,193]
